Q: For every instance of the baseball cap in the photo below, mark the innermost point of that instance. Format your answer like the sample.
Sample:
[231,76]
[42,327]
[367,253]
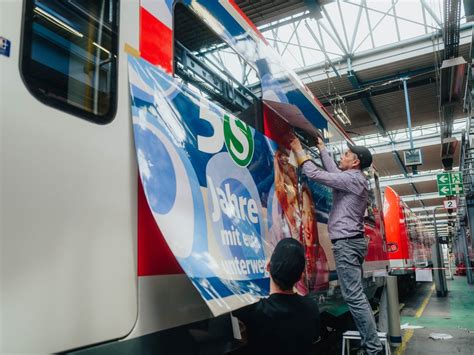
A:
[362,153]
[287,262]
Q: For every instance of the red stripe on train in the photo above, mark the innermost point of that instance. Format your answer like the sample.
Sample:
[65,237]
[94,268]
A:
[154,255]
[156,41]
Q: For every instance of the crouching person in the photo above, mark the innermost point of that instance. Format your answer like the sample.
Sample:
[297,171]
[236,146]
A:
[285,322]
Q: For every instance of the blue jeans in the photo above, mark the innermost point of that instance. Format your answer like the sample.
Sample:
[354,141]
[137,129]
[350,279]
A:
[349,256]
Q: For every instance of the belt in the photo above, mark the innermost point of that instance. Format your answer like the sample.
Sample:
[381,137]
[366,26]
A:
[358,236]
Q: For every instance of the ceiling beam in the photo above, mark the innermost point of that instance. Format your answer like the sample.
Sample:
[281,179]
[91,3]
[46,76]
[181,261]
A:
[352,77]
[272,26]
[344,30]
[399,76]
[420,197]
[439,230]
[372,29]
[402,180]
[382,90]
[322,48]
[364,4]
[396,22]
[334,31]
[394,15]
[356,26]
[334,39]
[431,12]
[380,56]
[438,215]
[401,144]
[443,224]
[438,221]
[428,209]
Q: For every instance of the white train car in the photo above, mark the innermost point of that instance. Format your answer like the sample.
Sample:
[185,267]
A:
[83,263]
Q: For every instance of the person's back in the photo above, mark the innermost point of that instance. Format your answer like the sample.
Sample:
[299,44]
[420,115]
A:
[281,324]
[285,322]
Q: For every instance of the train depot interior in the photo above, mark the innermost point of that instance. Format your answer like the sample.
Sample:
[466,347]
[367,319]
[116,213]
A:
[148,170]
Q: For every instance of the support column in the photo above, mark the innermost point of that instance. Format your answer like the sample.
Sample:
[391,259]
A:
[470,216]
[394,331]
[465,251]
[438,264]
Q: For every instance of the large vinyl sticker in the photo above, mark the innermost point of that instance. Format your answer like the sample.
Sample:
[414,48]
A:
[209,180]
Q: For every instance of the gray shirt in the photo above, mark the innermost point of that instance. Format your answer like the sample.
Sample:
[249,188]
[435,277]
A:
[350,193]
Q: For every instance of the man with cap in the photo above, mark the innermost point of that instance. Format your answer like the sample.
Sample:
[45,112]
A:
[285,323]
[346,227]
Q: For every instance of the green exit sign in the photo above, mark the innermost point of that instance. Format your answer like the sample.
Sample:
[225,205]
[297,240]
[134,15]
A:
[450,184]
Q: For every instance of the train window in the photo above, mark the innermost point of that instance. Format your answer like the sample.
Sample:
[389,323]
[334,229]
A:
[69,55]
[378,200]
[204,62]
[374,205]
[371,206]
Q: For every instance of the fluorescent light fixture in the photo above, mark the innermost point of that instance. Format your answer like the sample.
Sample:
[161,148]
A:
[57,22]
[341,115]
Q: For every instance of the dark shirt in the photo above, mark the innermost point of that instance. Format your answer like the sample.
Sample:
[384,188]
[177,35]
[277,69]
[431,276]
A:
[281,324]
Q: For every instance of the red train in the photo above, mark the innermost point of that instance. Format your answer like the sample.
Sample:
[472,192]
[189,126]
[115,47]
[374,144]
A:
[408,244]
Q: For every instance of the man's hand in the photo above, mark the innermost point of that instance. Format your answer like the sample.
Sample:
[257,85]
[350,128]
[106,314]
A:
[320,143]
[296,145]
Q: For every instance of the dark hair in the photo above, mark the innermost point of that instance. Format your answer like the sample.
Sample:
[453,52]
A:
[287,263]
[284,285]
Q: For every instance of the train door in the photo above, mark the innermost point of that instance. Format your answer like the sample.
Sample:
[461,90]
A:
[68,174]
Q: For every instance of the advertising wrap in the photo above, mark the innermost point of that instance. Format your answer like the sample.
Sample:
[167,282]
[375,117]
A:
[210,183]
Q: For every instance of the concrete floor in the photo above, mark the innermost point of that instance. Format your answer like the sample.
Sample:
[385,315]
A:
[453,315]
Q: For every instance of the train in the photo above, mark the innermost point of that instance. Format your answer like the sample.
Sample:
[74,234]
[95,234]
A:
[408,243]
[144,185]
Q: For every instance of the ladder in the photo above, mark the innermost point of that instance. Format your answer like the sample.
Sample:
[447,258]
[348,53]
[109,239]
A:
[355,335]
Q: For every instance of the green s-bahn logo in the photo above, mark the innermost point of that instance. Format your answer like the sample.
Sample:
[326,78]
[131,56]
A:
[238,140]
